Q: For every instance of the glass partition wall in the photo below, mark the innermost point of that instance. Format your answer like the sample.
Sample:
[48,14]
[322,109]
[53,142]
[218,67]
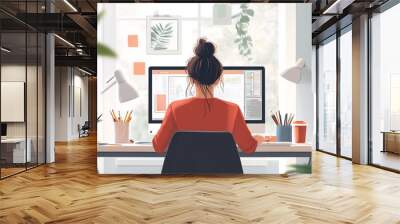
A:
[345,65]
[22,77]
[327,95]
[334,95]
[385,90]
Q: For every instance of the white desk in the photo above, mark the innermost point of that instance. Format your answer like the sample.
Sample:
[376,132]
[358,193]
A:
[141,158]
[18,151]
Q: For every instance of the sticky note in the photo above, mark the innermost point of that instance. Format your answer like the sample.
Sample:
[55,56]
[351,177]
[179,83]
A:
[139,68]
[133,41]
[161,102]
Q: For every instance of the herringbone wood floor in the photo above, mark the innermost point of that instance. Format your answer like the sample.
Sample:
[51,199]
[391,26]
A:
[70,191]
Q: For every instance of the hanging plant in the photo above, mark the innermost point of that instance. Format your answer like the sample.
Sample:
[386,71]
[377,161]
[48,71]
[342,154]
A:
[243,39]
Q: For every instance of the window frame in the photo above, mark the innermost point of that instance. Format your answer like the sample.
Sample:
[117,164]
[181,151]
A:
[334,37]
[381,9]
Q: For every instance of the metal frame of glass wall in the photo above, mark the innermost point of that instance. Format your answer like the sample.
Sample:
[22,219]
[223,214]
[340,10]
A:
[389,4]
[34,50]
[381,9]
[334,37]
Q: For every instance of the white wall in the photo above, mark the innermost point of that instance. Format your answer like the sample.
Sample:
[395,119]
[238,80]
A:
[80,82]
[61,104]
[33,126]
[17,73]
[305,107]
[67,81]
[14,73]
[287,55]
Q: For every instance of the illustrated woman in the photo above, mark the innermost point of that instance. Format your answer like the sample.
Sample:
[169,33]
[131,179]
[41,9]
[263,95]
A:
[204,112]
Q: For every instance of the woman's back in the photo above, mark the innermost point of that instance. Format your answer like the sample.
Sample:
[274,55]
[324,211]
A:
[200,114]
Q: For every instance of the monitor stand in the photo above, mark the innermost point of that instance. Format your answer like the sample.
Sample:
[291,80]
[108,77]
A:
[153,128]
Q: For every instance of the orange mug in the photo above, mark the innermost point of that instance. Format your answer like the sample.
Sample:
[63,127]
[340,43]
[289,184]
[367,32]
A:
[299,131]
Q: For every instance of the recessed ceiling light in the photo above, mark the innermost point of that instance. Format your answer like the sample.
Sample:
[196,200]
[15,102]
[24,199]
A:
[70,5]
[338,6]
[64,40]
[5,50]
[84,71]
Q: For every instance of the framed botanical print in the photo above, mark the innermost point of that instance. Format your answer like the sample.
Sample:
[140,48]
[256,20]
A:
[163,35]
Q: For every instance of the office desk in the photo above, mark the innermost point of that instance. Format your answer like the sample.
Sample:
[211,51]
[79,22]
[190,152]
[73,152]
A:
[16,153]
[391,141]
[141,158]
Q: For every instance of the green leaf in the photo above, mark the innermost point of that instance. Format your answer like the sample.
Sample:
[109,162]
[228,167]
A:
[299,168]
[244,19]
[250,12]
[104,50]
[161,36]
[100,15]
[236,15]
[154,31]
[243,40]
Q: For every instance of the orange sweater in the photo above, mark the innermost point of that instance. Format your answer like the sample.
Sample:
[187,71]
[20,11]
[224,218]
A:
[193,114]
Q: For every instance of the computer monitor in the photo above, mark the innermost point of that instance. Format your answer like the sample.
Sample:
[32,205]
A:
[3,130]
[244,85]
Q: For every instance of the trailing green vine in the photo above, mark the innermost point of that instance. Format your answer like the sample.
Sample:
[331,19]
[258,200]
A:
[243,40]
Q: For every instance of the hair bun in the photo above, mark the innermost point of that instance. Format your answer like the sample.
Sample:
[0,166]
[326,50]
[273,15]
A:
[204,49]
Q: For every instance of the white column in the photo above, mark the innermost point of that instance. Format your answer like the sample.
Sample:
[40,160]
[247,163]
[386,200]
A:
[360,90]
[50,99]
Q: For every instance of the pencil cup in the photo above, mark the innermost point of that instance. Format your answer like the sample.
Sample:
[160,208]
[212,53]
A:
[284,133]
[121,132]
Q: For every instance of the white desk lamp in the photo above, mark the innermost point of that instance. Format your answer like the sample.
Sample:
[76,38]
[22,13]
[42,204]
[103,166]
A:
[293,73]
[126,92]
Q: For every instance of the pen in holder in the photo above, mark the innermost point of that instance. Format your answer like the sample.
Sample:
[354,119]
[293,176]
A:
[283,126]
[121,126]
[284,133]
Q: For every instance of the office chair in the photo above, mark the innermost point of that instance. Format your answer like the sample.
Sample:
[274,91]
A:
[84,130]
[202,153]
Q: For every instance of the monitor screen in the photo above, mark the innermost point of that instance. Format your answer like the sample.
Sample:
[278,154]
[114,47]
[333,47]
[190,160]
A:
[3,129]
[244,86]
